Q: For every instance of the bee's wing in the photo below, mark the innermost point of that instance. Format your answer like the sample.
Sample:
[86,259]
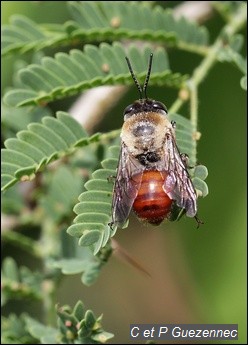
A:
[128,179]
[178,184]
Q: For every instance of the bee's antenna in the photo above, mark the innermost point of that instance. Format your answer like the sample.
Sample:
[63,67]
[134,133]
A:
[148,75]
[134,78]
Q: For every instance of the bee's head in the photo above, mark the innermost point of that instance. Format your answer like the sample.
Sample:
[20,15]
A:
[144,104]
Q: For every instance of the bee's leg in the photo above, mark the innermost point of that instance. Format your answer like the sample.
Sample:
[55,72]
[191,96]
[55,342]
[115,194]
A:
[174,124]
[199,222]
[185,159]
[111,178]
[111,225]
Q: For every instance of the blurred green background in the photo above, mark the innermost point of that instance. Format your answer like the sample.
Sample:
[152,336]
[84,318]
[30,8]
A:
[197,275]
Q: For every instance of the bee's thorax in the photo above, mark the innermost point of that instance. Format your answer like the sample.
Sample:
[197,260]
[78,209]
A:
[145,132]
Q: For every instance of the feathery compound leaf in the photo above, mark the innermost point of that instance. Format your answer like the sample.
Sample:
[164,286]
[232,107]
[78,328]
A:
[21,35]
[115,20]
[37,146]
[94,207]
[104,21]
[69,74]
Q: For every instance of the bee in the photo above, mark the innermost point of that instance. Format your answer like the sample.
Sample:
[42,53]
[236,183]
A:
[152,177]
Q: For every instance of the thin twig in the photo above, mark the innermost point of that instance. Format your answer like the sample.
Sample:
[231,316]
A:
[236,22]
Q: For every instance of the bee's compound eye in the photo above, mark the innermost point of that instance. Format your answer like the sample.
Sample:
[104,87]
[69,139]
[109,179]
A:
[159,106]
[129,109]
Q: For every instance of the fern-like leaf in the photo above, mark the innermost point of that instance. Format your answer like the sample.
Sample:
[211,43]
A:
[69,74]
[40,144]
[94,207]
[115,20]
[104,21]
[21,35]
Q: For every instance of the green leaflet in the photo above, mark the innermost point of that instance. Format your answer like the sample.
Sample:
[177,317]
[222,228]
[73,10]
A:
[19,283]
[84,261]
[68,74]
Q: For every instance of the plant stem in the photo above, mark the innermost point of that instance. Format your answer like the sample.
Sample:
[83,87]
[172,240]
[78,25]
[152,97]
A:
[193,48]
[194,115]
[237,21]
[23,242]
[50,240]
[110,135]
[176,105]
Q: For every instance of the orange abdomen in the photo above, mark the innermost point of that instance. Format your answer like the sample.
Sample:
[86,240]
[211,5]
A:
[152,204]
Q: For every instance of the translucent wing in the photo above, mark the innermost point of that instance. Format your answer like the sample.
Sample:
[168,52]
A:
[178,184]
[127,183]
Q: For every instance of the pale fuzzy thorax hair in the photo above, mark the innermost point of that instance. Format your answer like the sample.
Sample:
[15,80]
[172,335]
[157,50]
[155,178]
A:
[153,141]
